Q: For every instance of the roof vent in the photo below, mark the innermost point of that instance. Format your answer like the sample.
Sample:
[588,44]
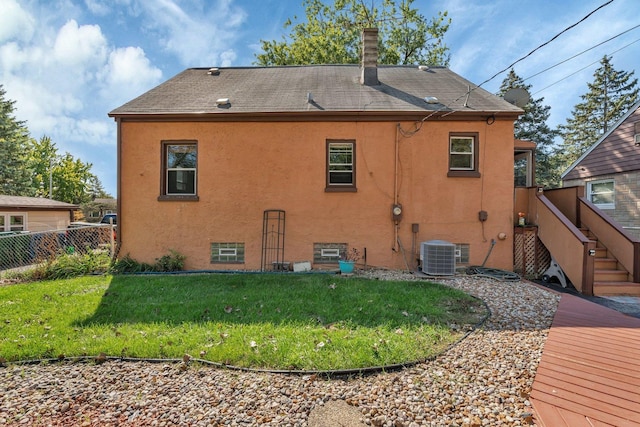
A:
[423,67]
[223,102]
[214,71]
[431,100]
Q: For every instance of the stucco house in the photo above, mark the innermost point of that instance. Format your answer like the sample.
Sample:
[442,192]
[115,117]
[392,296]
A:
[243,168]
[34,214]
[610,172]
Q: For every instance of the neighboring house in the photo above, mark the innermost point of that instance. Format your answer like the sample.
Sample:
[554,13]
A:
[610,172]
[34,214]
[242,168]
[97,208]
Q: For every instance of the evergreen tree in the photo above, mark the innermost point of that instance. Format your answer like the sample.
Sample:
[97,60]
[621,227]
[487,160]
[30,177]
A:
[610,96]
[332,35]
[15,177]
[532,126]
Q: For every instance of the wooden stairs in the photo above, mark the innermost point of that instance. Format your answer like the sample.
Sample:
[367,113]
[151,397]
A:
[609,277]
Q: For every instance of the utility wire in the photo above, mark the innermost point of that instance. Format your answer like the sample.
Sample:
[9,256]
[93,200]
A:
[584,68]
[418,125]
[578,54]
[546,43]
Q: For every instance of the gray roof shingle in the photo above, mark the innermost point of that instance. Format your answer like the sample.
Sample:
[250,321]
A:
[334,88]
[33,203]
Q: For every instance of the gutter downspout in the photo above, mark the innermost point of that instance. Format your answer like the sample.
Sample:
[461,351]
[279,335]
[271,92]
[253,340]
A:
[118,185]
[395,186]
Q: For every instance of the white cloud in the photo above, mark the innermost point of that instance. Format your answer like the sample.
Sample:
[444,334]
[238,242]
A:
[197,37]
[227,58]
[80,46]
[97,8]
[15,22]
[93,132]
[127,74]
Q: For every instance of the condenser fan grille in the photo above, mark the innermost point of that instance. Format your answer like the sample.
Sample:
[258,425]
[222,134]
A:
[438,258]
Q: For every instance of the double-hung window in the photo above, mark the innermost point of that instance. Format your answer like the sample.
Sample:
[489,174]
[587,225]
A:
[463,154]
[179,163]
[602,193]
[341,165]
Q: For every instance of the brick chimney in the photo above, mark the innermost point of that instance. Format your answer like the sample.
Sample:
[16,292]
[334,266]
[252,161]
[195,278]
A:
[369,74]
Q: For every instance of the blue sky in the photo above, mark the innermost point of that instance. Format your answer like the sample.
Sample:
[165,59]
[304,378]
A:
[67,63]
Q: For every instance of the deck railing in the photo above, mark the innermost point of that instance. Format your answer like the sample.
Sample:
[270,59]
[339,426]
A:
[624,247]
[571,249]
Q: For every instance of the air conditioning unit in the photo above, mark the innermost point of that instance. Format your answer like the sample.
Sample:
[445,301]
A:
[438,258]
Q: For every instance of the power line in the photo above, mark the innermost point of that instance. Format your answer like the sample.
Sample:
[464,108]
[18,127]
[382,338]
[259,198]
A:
[578,54]
[419,124]
[584,68]
[546,43]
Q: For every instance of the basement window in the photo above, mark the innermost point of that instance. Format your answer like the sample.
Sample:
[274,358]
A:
[602,193]
[227,253]
[328,253]
[462,253]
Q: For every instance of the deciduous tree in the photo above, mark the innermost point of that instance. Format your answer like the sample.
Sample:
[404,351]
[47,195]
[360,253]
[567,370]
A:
[61,177]
[331,35]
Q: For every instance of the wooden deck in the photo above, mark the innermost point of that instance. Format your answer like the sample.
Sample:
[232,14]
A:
[589,374]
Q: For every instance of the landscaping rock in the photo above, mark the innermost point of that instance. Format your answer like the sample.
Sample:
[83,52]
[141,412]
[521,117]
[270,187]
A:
[483,380]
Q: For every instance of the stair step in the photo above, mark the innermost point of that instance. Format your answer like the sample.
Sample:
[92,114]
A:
[616,288]
[610,275]
[601,253]
[605,264]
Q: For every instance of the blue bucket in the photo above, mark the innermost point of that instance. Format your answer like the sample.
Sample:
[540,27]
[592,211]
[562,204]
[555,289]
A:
[346,267]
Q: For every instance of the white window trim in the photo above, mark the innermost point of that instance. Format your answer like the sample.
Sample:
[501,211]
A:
[7,221]
[470,154]
[228,252]
[330,253]
[332,166]
[602,205]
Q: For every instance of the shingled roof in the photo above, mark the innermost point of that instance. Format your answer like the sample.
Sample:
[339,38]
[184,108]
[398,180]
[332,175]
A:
[314,89]
[20,202]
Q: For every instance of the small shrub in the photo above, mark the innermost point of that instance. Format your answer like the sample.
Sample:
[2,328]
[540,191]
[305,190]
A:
[129,265]
[67,265]
[172,262]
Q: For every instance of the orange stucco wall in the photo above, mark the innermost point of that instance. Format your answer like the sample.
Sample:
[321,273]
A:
[246,168]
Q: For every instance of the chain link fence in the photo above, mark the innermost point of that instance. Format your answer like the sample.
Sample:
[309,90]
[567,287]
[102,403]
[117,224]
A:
[21,249]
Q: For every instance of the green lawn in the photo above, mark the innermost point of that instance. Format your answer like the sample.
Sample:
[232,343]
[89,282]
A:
[275,321]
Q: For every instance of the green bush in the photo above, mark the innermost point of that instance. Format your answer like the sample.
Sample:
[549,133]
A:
[67,265]
[129,265]
[174,261]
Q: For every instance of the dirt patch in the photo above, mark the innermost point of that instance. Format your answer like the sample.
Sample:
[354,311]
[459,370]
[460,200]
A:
[335,413]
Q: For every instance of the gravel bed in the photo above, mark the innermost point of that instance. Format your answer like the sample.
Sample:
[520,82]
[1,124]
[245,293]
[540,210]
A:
[485,380]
